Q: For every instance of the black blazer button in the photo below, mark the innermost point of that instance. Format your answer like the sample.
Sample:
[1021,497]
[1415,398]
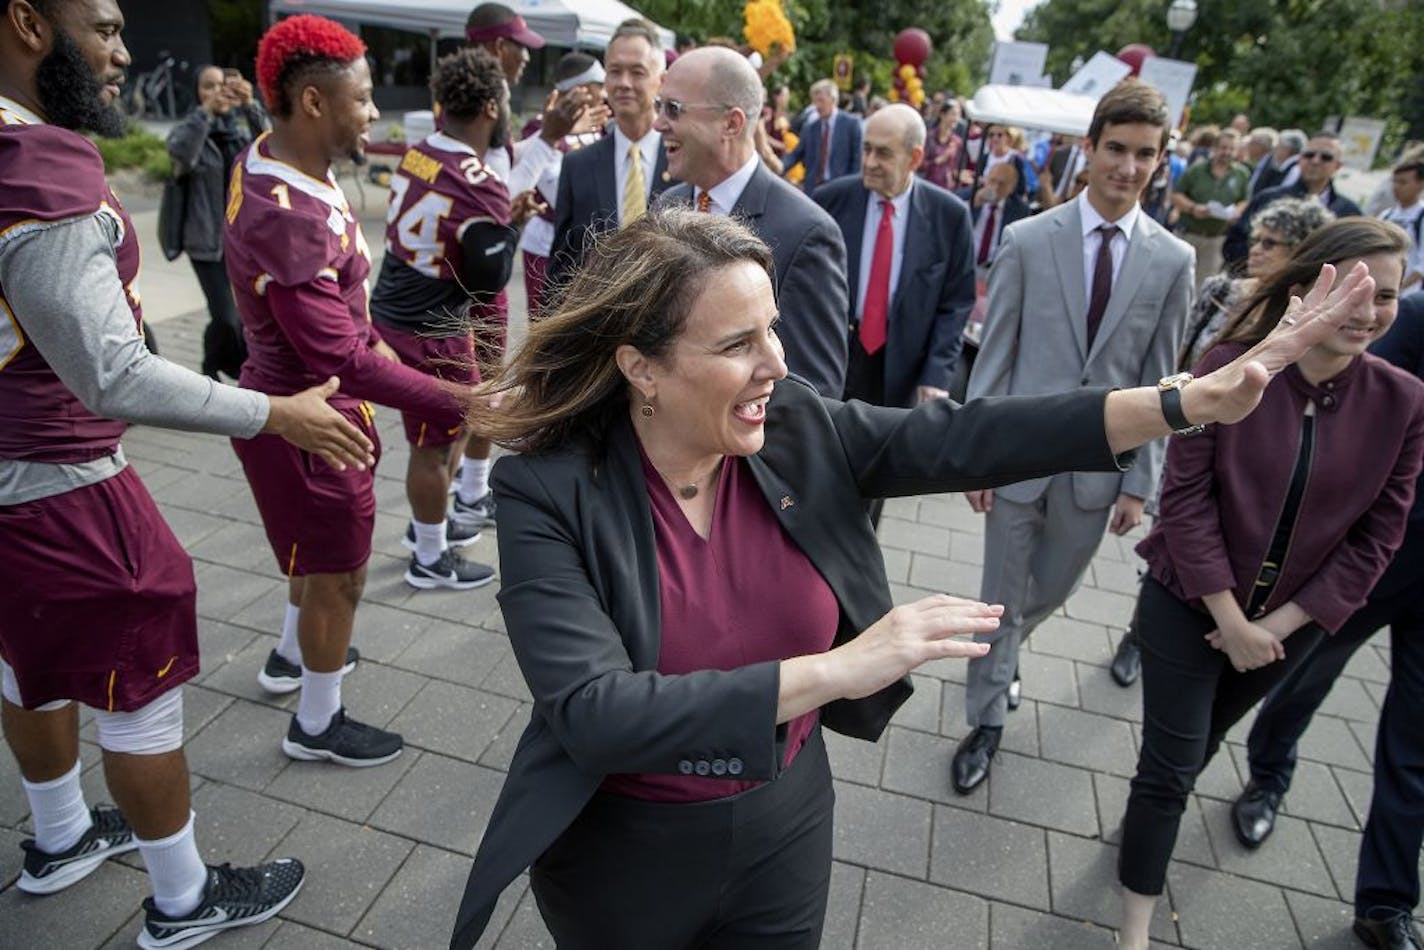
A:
[719,766]
[734,766]
[703,767]
[685,766]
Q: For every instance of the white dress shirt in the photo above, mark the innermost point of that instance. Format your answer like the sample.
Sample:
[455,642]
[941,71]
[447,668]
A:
[1091,222]
[726,193]
[899,225]
[648,145]
[1407,218]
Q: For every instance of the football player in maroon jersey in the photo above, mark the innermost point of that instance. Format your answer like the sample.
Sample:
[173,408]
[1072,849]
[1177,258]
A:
[299,267]
[99,602]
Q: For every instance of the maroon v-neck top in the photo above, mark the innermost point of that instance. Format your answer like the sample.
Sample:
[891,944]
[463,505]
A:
[745,594]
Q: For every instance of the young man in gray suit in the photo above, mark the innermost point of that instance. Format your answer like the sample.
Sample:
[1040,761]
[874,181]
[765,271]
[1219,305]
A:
[1091,293]
[711,102]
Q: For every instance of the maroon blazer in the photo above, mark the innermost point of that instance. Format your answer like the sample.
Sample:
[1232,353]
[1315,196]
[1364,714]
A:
[1223,490]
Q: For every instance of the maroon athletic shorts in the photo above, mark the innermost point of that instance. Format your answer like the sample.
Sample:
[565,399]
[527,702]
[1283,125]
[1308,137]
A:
[98,603]
[318,520]
[444,357]
[491,325]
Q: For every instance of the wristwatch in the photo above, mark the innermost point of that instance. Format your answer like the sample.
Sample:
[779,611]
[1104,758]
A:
[1170,389]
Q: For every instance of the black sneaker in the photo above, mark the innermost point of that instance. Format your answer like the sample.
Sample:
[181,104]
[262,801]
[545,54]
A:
[233,897]
[46,873]
[458,534]
[480,514]
[279,676]
[449,570]
[345,742]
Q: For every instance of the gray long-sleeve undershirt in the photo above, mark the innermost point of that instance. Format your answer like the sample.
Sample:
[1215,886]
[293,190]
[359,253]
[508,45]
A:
[62,282]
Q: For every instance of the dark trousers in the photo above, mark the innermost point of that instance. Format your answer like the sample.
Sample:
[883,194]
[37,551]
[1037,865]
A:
[750,872]
[1191,696]
[224,350]
[865,380]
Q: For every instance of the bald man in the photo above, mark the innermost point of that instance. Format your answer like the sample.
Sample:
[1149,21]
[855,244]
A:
[710,105]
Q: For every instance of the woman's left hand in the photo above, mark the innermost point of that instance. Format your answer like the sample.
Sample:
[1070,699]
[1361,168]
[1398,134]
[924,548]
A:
[1248,647]
[1230,393]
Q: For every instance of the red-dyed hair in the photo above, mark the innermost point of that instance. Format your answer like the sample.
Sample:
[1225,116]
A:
[297,42]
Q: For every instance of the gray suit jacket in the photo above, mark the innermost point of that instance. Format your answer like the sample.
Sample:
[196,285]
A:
[1035,331]
[810,260]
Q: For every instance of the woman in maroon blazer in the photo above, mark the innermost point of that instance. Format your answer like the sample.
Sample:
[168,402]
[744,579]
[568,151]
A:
[1271,534]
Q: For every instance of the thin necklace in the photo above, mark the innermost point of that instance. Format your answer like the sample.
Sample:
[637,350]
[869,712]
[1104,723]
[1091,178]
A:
[687,490]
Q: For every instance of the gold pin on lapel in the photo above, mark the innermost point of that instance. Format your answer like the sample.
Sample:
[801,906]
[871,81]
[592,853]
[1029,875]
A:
[786,502]
[667,176]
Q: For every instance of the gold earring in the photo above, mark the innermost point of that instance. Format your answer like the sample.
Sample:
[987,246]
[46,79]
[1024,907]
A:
[647,410]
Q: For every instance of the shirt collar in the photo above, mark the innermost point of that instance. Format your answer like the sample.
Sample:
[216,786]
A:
[448,143]
[728,191]
[1092,220]
[900,202]
[261,163]
[621,141]
[12,113]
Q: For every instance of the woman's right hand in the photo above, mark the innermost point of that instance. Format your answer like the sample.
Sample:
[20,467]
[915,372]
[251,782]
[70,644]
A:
[907,636]
[1248,646]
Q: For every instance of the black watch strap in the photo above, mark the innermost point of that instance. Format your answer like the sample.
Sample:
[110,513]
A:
[1172,410]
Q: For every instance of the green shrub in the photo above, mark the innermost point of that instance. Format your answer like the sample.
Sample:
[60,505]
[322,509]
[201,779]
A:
[138,148]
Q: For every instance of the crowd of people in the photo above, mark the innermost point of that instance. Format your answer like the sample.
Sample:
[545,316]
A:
[746,327]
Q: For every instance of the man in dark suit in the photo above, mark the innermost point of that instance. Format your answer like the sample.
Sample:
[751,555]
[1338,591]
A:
[613,181]
[913,270]
[711,99]
[830,143]
[1387,882]
[1318,165]
[996,204]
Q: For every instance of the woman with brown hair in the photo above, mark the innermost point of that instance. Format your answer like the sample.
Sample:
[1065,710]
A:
[692,587]
[1272,532]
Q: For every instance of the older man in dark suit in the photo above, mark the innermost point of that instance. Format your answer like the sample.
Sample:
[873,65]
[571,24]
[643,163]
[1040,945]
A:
[613,181]
[711,98]
[829,146]
[910,262]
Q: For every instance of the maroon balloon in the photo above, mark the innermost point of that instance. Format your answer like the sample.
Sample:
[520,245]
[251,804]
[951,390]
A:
[900,83]
[913,46]
[1135,54]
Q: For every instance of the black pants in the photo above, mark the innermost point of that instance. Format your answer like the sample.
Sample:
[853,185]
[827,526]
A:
[1191,697]
[865,380]
[751,871]
[223,347]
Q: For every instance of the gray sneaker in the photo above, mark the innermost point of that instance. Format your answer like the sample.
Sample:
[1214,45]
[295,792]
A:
[480,514]
[450,570]
[46,873]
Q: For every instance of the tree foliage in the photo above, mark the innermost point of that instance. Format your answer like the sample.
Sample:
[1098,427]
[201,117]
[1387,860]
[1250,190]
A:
[1285,62]
[824,28]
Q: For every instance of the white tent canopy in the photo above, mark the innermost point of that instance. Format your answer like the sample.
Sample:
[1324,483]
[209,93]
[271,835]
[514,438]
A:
[1032,107]
[587,23]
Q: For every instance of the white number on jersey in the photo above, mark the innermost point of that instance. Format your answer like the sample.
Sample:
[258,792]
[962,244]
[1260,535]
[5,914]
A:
[419,225]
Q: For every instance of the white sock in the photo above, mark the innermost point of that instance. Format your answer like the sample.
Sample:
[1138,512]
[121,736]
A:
[321,698]
[429,541]
[474,480]
[288,648]
[175,869]
[61,816]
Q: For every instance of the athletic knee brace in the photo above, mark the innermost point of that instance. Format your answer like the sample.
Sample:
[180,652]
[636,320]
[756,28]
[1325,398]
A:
[149,730]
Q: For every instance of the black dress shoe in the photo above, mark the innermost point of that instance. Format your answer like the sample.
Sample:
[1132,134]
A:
[1391,933]
[971,760]
[1127,662]
[1015,694]
[1253,815]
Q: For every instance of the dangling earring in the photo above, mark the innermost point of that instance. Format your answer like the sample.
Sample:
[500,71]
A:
[647,410]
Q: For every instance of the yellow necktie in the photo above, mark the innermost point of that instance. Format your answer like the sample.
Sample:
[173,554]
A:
[635,196]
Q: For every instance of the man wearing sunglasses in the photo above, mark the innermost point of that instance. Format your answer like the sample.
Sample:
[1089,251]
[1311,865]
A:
[711,101]
[1318,165]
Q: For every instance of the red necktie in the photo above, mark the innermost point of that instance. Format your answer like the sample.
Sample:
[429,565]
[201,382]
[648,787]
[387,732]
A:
[1102,281]
[986,243]
[877,289]
[825,150]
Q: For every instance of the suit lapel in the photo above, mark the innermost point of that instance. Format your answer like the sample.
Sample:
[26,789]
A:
[1134,269]
[1067,244]
[919,248]
[854,238]
[751,203]
[607,180]
[626,482]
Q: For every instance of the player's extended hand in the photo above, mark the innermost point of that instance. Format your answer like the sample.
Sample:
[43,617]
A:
[525,205]
[562,110]
[307,421]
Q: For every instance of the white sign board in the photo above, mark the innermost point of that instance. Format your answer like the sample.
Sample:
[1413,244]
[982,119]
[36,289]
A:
[1359,140]
[1173,78]
[1018,64]
[1097,76]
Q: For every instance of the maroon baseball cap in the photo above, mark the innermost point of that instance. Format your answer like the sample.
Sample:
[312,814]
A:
[515,28]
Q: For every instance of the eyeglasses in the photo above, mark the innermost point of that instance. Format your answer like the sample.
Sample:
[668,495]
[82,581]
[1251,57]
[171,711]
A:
[1268,243]
[1318,156]
[675,109]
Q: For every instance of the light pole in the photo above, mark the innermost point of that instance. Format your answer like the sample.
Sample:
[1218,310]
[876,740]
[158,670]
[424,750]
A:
[1180,17]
